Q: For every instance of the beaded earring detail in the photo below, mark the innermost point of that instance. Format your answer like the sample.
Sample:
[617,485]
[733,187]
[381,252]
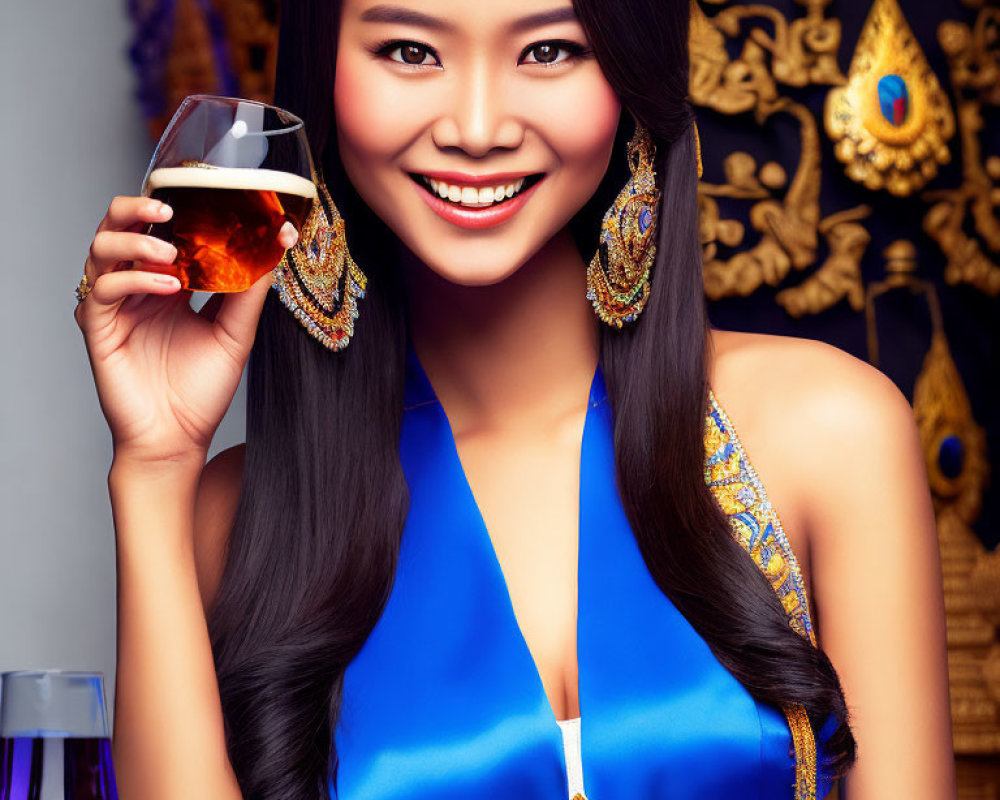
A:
[317,280]
[618,275]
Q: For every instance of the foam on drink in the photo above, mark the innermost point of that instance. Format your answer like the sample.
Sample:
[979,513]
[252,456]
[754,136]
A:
[206,177]
[226,221]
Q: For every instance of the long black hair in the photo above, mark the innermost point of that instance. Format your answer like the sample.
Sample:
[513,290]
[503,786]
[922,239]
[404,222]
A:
[313,550]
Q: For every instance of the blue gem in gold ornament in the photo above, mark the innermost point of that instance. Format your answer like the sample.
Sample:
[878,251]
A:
[951,456]
[894,98]
[645,218]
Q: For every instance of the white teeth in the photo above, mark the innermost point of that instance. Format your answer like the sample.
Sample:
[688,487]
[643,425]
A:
[472,197]
[513,188]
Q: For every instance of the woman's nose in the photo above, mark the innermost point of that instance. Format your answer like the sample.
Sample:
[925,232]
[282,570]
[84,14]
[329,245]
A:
[480,118]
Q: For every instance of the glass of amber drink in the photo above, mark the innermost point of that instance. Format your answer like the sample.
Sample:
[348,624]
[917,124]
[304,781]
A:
[233,171]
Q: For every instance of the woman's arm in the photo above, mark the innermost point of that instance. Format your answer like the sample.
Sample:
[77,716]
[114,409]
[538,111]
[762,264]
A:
[876,573]
[165,375]
[168,731]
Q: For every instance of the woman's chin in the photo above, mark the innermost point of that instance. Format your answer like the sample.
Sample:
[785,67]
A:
[480,275]
[473,266]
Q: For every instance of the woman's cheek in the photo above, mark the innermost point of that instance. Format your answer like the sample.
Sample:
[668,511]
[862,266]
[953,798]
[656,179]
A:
[362,112]
[580,122]
[378,115]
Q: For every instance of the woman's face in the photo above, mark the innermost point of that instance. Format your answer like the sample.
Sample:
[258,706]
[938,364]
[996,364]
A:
[475,129]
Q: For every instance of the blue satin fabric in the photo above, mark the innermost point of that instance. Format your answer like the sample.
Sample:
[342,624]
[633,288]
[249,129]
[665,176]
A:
[444,700]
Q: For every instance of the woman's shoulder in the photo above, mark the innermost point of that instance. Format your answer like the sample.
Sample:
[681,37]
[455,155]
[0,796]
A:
[802,387]
[214,514]
[783,359]
[816,423]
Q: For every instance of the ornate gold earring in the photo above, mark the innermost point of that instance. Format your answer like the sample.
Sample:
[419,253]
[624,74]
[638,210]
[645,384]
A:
[317,280]
[618,275]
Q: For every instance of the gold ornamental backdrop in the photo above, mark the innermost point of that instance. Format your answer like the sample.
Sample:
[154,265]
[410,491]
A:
[850,194]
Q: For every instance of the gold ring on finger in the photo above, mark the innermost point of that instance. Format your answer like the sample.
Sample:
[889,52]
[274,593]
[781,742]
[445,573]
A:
[83,289]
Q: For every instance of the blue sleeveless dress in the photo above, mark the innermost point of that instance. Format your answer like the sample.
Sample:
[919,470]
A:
[444,701]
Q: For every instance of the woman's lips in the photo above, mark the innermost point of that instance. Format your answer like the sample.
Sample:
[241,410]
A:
[476,218]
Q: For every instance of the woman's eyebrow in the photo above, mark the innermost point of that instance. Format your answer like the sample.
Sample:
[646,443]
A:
[404,16]
[551,17]
[408,16]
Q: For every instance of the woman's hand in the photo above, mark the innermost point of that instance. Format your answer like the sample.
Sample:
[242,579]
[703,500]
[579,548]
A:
[165,373]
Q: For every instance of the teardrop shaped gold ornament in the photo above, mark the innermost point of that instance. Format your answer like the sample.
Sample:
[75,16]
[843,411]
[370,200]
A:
[891,122]
[954,444]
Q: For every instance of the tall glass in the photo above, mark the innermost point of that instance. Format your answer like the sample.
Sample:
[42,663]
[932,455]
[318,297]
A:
[54,740]
[234,171]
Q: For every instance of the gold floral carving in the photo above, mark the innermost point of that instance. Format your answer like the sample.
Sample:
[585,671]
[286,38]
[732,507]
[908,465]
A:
[973,54]
[803,52]
[789,222]
[839,276]
[799,53]
[898,155]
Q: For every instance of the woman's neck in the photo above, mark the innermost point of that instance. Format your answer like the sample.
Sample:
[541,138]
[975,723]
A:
[519,352]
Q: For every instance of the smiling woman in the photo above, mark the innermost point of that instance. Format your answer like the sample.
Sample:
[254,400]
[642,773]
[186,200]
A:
[473,149]
[476,99]
[497,536]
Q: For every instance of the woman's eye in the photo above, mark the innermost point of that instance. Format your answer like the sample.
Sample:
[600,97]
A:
[550,52]
[411,54]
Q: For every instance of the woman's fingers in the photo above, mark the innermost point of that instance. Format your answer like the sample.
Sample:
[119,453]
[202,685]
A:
[288,236]
[236,314]
[118,238]
[111,247]
[125,212]
[111,288]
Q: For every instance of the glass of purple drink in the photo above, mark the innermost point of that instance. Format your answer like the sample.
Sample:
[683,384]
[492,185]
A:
[54,739]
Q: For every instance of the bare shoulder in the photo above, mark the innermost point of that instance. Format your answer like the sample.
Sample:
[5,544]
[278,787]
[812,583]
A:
[819,425]
[818,396]
[811,370]
[215,511]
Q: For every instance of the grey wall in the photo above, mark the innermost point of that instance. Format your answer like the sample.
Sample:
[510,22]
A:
[71,137]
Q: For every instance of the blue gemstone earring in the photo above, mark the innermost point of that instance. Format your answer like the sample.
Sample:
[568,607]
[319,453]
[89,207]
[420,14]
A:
[618,275]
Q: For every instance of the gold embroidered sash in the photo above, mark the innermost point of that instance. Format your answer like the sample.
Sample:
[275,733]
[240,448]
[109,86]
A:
[756,526]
